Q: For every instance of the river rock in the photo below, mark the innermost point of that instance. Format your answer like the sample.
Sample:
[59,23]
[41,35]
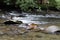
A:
[12,22]
[52,29]
[33,26]
[1,33]
[26,26]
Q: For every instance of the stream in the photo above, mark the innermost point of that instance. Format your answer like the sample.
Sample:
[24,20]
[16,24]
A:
[34,18]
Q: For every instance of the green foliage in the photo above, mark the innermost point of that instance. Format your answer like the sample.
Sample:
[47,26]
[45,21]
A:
[55,3]
[25,4]
[58,4]
[52,3]
[7,2]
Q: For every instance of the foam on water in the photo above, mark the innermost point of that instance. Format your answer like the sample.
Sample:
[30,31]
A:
[38,19]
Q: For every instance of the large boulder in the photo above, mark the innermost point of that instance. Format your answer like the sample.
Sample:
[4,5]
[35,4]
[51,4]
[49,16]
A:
[53,29]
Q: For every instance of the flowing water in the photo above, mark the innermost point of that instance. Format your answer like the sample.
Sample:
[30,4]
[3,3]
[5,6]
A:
[39,18]
[44,20]
[35,18]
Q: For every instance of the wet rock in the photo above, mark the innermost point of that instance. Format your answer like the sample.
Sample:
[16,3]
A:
[1,33]
[21,15]
[12,32]
[12,22]
[57,32]
[26,26]
[38,36]
[53,29]
[14,13]
[15,31]
[9,30]
[22,31]
[33,26]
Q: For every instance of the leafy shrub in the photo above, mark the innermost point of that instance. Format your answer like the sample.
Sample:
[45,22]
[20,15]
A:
[52,3]
[58,4]
[26,4]
[55,3]
[29,5]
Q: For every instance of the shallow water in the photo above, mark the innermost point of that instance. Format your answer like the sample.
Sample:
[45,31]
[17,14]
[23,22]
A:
[37,19]
[34,18]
